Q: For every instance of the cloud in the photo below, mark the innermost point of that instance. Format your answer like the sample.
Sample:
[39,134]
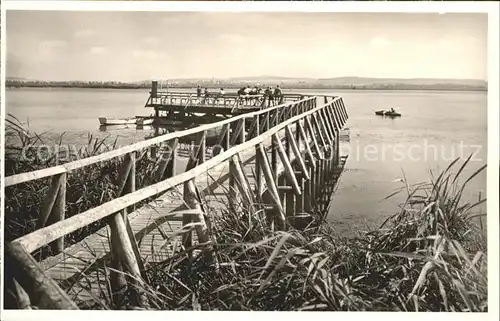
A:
[151,40]
[380,42]
[98,50]
[233,38]
[14,65]
[53,44]
[148,54]
[84,33]
[50,49]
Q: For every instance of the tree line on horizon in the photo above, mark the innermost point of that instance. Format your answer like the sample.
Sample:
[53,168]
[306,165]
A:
[16,83]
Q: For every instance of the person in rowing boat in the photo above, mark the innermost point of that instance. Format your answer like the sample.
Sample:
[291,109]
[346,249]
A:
[392,111]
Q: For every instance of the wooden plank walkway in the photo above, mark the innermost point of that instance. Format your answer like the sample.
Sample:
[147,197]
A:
[76,267]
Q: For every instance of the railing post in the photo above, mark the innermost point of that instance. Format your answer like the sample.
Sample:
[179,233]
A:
[237,172]
[192,202]
[121,244]
[289,172]
[300,165]
[335,128]
[59,211]
[168,161]
[203,148]
[234,200]
[281,185]
[257,126]
[223,142]
[120,228]
[274,160]
[243,131]
[53,208]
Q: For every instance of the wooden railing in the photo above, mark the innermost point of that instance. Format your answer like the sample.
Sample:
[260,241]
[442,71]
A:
[316,135]
[227,100]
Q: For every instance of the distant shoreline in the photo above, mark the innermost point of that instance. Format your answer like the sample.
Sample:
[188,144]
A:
[359,88]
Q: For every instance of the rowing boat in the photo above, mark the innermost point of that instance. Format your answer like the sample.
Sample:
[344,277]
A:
[392,114]
[387,113]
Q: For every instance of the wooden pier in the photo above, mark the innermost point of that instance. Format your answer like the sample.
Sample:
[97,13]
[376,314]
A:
[285,163]
[172,107]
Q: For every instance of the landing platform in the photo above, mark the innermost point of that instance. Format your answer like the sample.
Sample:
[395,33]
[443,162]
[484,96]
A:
[229,103]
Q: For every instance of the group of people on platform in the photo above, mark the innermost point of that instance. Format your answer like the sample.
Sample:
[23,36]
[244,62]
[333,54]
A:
[268,92]
[242,92]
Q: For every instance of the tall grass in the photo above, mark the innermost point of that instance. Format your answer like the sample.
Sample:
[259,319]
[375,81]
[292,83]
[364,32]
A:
[428,257]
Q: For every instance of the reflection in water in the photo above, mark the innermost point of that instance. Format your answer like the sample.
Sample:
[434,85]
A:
[114,128]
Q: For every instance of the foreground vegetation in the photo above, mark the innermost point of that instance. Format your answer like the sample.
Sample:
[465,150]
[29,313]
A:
[431,256]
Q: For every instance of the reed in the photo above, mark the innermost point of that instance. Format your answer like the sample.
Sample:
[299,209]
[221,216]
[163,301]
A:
[430,256]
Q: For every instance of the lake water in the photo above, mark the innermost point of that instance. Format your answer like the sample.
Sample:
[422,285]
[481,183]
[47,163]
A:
[436,127]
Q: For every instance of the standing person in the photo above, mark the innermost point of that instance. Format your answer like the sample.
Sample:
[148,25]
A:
[207,94]
[277,91]
[247,93]
[198,94]
[256,91]
[269,94]
[278,94]
[221,94]
[247,90]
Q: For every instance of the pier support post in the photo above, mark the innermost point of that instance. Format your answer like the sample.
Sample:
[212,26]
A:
[271,185]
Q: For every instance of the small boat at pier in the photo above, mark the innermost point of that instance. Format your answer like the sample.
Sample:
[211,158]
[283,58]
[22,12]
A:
[106,121]
[144,121]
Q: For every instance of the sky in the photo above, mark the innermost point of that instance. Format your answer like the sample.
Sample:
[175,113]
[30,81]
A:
[132,46]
